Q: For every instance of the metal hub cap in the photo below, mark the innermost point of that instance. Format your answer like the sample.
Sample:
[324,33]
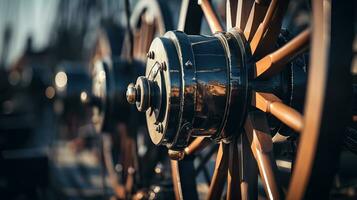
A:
[194,86]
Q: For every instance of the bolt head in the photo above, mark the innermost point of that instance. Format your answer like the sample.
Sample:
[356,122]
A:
[131,93]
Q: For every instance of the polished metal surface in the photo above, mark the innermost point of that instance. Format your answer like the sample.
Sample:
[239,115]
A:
[195,85]
[131,93]
[118,75]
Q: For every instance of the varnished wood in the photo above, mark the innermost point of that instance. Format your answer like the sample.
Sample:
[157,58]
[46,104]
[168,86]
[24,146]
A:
[248,170]
[145,35]
[233,182]
[256,16]
[264,25]
[231,13]
[258,134]
[325,115]
[270,103]
[243,11]
[211,16]
[147,20]
[275,62]
[176,179]
[184,179]
[150,34]
[268,31]
[183,15]
[244,191]
[190,17]
[220,173]
[263,43]
[197,145]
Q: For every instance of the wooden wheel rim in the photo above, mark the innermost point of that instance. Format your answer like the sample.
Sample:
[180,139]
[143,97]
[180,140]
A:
[160,23]
[157,9]
[315,165]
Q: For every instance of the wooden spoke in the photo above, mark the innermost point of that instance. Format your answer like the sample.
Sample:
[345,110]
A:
[243,11]
[185,5]
[118,188]
[197,145]
[147,20]
[270,103]
[190,17]
[136,45]
[129,181]
[231,13]
[256,16]
[183,179]
[220,172]
[176,179]
[258,134]
[275,62]
[150,34]
[142,36]
[264,25]
[248,170]
[269,28]
[211,16]
[233,182]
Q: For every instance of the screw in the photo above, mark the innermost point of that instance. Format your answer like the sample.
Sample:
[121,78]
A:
[188,64]
[150,55]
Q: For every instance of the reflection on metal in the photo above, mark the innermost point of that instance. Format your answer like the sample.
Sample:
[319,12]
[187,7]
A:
[192,85]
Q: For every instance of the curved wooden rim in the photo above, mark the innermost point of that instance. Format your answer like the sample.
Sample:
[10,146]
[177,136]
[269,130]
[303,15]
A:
[318,148]
[147,28]
[325,117]
[162,22]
